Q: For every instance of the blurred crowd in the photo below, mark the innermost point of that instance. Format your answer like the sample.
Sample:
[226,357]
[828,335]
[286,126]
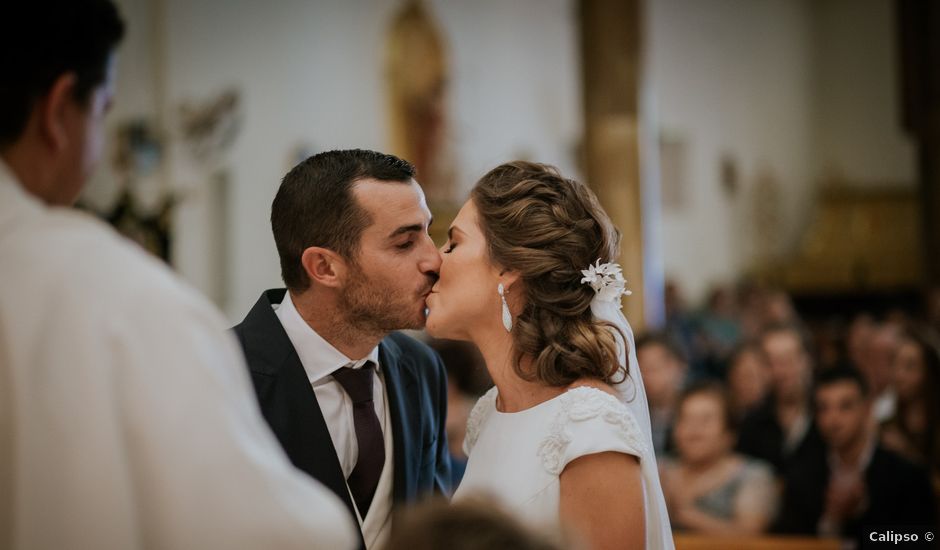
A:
[765,422]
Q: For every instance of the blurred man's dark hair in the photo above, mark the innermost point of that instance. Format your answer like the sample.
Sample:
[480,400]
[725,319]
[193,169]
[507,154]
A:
[842,373]
[41,41]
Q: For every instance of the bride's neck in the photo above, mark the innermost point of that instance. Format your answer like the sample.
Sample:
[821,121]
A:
[515,394]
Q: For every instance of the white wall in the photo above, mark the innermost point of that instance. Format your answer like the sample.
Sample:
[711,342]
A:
[803,90]
[857,116]
[310,74]
[730,77]
[517,76]
[135,91]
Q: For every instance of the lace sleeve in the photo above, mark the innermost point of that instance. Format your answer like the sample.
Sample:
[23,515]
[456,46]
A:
[481,411]
[590,421]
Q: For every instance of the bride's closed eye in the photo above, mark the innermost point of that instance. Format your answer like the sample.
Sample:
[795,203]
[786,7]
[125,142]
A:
[449,247]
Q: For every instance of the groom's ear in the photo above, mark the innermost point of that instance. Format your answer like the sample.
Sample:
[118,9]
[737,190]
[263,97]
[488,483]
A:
[324,267]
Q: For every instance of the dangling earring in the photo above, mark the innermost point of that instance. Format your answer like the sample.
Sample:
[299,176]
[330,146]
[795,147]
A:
[507,317]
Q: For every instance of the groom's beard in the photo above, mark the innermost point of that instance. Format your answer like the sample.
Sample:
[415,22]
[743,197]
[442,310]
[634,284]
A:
[377,307]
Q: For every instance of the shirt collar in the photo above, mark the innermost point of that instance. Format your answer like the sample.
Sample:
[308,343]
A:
[15,202]
[836,464]
[318,357]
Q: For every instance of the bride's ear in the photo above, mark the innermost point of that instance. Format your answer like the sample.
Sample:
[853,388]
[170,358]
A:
[508,277]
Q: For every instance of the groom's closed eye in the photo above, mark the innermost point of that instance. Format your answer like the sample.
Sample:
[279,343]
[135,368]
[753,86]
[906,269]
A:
[411,232]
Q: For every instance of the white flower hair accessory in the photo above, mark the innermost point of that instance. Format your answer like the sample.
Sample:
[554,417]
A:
[607,281]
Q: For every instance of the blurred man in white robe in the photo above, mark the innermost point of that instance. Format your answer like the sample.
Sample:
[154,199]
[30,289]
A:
[127,419]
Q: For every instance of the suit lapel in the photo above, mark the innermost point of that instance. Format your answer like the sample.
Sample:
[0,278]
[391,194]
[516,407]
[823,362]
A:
[287,400]
[320,458]
[406,427]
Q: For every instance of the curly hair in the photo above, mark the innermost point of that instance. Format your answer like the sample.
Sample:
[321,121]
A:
[548,228]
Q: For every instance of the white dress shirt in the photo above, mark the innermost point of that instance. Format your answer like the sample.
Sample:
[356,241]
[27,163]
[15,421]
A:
[885,405]
[320,360]
[127,417]
[846,475]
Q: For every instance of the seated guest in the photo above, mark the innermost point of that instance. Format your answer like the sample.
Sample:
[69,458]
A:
[664,370]
[778,308]
[858,338]
[878,368]
[680,321]
[709,488]
[855,484]
[781,429]
[471,524]
[914,431]
[718,332]
[748,380]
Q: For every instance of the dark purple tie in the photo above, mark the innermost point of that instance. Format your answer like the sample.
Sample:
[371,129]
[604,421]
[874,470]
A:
[365,475]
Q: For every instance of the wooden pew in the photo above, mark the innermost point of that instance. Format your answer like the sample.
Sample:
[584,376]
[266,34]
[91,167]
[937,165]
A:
[688,541]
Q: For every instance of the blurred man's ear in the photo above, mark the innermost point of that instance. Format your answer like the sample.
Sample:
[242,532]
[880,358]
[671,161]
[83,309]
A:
[325,267]
[54,110]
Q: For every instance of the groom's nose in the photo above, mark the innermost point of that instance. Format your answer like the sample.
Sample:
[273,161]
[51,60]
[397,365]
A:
[430,261]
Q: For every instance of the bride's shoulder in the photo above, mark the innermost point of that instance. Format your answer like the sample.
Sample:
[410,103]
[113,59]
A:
[594,406]
[590,395]
[588,420]
[481,411]
[591,383]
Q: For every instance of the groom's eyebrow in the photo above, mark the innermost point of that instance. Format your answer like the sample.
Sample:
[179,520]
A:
[415,227]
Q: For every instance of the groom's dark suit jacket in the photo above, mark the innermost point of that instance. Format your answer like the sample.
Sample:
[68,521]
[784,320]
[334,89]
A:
[415,383]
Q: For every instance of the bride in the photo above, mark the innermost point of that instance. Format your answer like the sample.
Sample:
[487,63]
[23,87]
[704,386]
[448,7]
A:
[564,435]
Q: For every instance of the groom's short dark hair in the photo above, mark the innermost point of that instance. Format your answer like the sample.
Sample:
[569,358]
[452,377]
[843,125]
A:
[315,206]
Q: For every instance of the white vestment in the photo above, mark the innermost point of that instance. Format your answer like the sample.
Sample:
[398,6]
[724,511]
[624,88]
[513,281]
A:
[127,419]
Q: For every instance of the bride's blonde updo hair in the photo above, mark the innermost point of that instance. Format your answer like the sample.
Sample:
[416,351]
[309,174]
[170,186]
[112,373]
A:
[548,228]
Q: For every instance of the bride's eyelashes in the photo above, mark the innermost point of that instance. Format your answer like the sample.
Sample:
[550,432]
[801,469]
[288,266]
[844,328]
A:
[449,247]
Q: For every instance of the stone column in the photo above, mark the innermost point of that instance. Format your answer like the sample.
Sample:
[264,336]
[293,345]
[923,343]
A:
[610,59]
[919,45]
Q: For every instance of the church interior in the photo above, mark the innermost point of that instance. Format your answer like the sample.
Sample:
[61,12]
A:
[769,162]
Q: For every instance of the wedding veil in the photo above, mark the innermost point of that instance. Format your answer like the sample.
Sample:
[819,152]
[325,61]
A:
[609,285]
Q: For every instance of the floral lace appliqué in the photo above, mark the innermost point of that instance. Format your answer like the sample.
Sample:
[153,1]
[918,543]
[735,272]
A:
[481,411]
[579,405]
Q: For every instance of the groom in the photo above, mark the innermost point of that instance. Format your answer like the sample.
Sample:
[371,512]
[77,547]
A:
[355,405]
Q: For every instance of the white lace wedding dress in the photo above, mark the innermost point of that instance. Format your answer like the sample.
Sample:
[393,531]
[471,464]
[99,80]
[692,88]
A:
[518,457]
